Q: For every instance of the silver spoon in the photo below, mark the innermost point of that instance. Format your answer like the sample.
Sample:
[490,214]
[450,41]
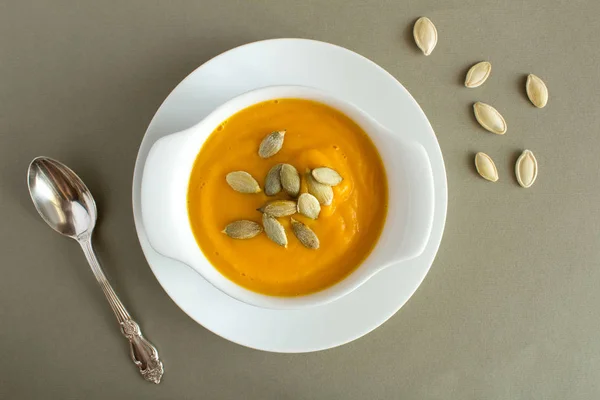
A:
[66,204]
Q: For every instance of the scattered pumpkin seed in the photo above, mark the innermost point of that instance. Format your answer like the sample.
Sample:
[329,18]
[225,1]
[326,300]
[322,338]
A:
[274,230]
[272,181]
[485,167]
[242,229]
[323,193]
[309,206]
[478,74]
[425,35]
[526,169]
[489,118]
[242,182]
[271,144]
[536,91]
[279,208]
[327,176]
[305,235]
[290,180]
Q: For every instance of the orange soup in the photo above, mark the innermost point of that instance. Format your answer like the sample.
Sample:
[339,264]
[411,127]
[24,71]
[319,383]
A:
[348,229]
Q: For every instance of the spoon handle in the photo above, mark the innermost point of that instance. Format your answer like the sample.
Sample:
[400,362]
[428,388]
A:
[143,353]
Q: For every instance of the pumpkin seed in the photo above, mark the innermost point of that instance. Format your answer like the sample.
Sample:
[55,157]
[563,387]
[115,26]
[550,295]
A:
[485,167]
[305,235]
[274,230]
[271,144]
[478,74]
[536,91]
[272,181]
[309,206]
[326,176]
[290,180]
[425,35]
[243,229]
[323,193]
[242,182]
[489,118]
[279,208]
[526,169]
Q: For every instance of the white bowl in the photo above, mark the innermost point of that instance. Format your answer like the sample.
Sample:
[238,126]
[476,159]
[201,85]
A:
[169,165]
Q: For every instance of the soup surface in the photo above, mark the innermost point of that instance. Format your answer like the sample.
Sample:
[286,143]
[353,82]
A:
[316,135]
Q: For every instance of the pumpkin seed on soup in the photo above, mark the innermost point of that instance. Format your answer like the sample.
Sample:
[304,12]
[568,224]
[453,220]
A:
[271,144]
[323,193]
[274,230]
[279,208]
[273,181]
[290,179]
[242,182]
[309,206]
[242,229]
[305,235]
[327,176]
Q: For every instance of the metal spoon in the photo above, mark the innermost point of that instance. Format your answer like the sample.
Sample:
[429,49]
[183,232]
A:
[66,204]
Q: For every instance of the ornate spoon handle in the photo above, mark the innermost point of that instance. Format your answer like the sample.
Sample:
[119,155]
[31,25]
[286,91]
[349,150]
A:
[143,353]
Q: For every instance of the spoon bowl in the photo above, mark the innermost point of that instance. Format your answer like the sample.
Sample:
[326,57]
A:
[61,198]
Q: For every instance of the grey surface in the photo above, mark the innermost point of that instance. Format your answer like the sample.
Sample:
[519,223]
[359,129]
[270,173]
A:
[511,307]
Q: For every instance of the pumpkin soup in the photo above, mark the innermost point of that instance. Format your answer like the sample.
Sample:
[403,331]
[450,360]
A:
[321,247]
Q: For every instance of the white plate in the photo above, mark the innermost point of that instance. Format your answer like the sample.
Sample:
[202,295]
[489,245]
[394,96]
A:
[342,73]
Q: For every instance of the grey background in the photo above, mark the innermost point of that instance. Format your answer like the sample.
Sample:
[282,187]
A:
[510,309]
